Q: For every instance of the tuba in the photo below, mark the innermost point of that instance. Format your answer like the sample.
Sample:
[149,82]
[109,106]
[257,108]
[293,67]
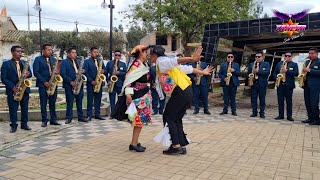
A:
[54,79]
[198,66]
[303,75]
[23,83]
[229,74]
[80,78]
[99,78]
[113,78]
[281,77]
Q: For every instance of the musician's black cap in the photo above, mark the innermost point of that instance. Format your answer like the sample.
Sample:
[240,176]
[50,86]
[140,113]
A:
[159,50]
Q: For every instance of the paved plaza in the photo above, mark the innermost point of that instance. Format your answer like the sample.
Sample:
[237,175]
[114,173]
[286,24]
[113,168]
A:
[222,147]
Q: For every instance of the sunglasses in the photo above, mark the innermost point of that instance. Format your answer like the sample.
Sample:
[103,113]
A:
[230,56]
[287,55]
[117,55]
[258,56]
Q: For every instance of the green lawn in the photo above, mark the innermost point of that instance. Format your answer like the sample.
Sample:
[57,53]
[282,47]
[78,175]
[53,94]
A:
[217,89]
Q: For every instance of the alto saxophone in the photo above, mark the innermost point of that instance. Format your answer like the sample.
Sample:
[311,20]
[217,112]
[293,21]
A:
[54,79]
[23,83]
[99,78]
[229,74]
[80,78]
[198,66]
[113,78]
[281,77]
[303,75]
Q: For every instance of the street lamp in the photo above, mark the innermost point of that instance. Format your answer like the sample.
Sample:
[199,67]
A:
[104,5]
[37,7]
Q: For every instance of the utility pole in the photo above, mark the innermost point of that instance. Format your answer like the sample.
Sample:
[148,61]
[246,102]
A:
[28,17]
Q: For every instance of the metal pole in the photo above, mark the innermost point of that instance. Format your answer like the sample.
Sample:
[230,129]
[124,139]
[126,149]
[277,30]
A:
[28,17]
[111,14]
[40,34]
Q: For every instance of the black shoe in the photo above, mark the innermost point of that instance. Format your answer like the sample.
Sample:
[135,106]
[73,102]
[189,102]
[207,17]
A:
[13,130]
[290,119]
[131,147]
[253,115]
[196,112]
[262,116]
[154,113]
[224,112]
[55,123]
[44,124]
[172,151]
[279,117]
[306,121]
[161,112]
[184,150]
[234,113]
[89,119]
[136,148]
[27,128]
[68,121]
[82,120]
[99,117]
[314,123]
[207,112]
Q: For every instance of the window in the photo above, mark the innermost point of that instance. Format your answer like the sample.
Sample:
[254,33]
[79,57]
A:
[161,40]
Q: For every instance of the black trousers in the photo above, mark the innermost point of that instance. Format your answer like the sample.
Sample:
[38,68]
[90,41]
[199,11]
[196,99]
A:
[176,108]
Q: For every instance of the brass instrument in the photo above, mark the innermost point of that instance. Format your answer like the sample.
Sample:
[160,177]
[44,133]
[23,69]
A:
[23,83]
[54,79]
[99,78]
[198,66]
[229,74]
[252,75]
[282,75]
[80,78]
[113,78]
[303,75]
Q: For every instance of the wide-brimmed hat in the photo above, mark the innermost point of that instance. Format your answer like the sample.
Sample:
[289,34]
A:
[139,48]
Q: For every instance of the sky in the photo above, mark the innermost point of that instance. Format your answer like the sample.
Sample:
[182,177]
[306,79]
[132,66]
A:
[90,15]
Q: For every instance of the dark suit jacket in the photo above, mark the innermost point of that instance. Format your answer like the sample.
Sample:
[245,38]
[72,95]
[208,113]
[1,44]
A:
[264,70]
[235,75]
[313,77]
[9,75]
[292,72]
[41,70]
[203,81]
[121,68]
[67,72]
[90,70]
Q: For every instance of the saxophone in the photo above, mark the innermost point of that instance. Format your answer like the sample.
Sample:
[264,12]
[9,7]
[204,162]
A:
[99,78]
[281,77]
[303,75]
[23,83]
[229,74]
[80,78]
[198,66]
[252,75]
[54,79]
[113,78]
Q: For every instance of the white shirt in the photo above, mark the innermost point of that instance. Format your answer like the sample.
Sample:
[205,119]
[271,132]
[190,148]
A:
[167,63]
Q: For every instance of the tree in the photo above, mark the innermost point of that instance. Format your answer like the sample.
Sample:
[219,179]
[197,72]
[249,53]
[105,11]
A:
[188,17]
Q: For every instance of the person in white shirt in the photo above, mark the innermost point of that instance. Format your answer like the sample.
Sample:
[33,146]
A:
[180,98]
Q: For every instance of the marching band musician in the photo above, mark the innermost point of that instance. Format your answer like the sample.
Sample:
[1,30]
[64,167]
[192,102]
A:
[91,67]
[68,70]
[11,72]
[260,84]
[285,89]
[200,89]
[154,94]
[312,87]
[230,87]
[42,69]
[120,72]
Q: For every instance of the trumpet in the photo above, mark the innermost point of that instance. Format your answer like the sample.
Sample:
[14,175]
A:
[54,79]
[99,78]
[23,82]
[281,77]
[303,75]
[113,78]
[229,74]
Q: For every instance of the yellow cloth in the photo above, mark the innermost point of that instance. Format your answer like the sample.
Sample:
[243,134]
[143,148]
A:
[180,78]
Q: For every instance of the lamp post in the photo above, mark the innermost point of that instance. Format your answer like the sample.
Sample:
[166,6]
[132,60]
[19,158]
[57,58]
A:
[37,7]
[104,5]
